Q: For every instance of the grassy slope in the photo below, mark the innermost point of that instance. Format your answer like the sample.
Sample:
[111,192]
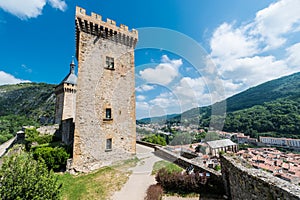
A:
[171,167]
[100,184]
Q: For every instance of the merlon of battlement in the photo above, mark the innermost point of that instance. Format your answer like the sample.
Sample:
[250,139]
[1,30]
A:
[93,24]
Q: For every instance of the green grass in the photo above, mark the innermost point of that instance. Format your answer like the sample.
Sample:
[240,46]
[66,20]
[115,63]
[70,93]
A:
[100,184]
[171,167]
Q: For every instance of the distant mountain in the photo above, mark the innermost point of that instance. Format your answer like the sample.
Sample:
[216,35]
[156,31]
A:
[159,119]
[270,107]
[33,100]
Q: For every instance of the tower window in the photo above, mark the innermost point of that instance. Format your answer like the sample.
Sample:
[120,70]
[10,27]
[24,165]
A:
[108,113]
[108,144]
[110,64]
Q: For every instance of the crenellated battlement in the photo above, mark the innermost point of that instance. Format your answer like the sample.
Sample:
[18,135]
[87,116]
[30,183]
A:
[93,24]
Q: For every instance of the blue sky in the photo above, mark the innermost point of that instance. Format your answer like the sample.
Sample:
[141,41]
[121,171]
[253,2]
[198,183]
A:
[190,53]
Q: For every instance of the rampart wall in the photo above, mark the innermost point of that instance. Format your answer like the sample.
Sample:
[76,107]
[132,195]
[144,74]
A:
[242,181]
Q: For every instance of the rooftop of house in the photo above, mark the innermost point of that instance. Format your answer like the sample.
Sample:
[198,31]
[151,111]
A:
[220,143]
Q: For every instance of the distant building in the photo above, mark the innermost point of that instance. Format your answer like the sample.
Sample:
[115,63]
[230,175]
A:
[285,142]
[221,145]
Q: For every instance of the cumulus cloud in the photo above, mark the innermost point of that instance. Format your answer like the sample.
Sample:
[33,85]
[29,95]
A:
[140,97]
[26,9]
[164,100]
[244,53]
[6,79]
[294,55]
[273,22]
[228,42]
[58,4]
[144,88]
[164,73]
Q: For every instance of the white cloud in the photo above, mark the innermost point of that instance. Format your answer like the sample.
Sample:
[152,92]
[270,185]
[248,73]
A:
[164,100]
[242,53]
[164,73]
[294,55]
[58,4]
[144,88]
[140,97]
[25,9]
[255,70]
[228,42]
[142,106]
[165,103]
[6,79]
[193,92]
[273,22]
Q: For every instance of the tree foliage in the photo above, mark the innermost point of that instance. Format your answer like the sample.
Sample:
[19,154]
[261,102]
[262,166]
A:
[155,139]
[55,158]
[281,116]
[11,124]
[22,177]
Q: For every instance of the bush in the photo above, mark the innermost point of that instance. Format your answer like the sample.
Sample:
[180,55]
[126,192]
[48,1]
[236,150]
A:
[21,177]
[55,158]
[32,135]
[183,183]
[154,192]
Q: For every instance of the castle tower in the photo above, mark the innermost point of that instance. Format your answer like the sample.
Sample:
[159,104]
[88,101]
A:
[105,101]
[66,96]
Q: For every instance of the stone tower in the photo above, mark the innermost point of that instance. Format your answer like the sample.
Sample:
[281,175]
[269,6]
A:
[105,102]
[66,104]
[66,96]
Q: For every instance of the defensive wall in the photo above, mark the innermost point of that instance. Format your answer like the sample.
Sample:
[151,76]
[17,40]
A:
[242,181]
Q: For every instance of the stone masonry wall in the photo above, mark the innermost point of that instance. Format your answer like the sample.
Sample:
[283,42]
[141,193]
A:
[65,102]
[69,102]
[59,107]
[247,183]
[99,88]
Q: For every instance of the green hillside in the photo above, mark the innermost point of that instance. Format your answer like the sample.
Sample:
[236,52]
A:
[25,104]
[285,87]
[272,107]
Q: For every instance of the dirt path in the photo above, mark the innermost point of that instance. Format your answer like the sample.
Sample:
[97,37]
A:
[141,178]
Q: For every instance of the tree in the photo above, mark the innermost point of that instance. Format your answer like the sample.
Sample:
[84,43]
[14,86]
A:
[22,177]
[211,136]
[155,139]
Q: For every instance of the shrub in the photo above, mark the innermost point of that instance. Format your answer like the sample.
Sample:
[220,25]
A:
[21,177]
[55,158]
[32,135]
[154,192]
[183,183]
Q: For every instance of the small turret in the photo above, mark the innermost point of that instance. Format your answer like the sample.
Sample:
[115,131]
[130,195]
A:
[65,96]
[72,67]
[71,78]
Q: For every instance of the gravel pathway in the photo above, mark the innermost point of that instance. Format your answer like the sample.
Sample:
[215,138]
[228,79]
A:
[140,179]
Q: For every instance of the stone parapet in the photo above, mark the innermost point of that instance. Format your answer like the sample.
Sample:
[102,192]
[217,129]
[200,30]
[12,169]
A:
[241,181]
[108,29]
